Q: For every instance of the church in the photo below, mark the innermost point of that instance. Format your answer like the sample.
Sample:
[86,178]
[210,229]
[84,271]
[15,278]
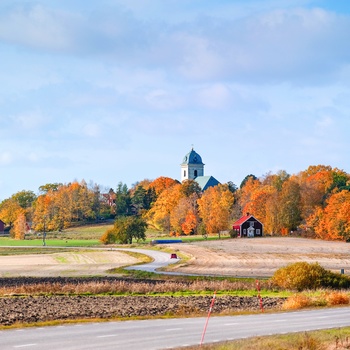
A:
[192,168]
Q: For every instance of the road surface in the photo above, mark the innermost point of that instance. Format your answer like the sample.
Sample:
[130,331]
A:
[169,333]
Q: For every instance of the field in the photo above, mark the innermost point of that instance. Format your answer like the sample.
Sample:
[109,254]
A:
[258,257]
[39,285]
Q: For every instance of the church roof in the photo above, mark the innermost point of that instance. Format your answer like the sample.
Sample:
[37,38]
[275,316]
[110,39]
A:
[192,158]
[206,181]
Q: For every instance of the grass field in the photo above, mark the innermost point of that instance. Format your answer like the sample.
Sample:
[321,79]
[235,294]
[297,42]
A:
[89,236]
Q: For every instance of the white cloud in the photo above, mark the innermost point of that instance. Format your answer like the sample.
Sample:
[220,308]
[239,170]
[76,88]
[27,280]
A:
[91,130]
[30,121]
[6,158]
[38,26]
[216,96]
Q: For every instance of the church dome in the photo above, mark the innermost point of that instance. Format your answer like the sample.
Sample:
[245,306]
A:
[192,158]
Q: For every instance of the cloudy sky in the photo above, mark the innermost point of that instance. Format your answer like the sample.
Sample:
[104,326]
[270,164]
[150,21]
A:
[120,90]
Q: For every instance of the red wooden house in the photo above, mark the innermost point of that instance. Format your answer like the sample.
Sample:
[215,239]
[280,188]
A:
[248,226]
[2,226]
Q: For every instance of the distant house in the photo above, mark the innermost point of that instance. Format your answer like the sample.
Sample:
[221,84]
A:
[248,226]
[2,226]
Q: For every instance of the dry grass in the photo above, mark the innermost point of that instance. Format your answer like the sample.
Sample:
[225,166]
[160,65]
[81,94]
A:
[126,287]
[323,298]
[333,339]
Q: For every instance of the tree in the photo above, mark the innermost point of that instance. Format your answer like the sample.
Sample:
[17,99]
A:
[24,198]
[159,214]
[333,221]
[290,205]
[215,207]
[250,176]
[162,183]
[9,210]
[123,200]
[49,187]
[125,229]
[20,226]
[142,199]
[190,187]
[184,217]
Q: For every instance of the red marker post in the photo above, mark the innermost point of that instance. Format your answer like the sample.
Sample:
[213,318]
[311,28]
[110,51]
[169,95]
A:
[259,296]
[206,323]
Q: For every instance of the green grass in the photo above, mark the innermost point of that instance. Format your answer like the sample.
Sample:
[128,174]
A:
[49,242]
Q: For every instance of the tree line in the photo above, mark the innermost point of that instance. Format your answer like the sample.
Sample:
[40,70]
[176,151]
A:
[314,202]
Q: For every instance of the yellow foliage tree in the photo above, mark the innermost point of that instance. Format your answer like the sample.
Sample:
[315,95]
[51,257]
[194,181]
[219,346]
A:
[20,226]
[215,208]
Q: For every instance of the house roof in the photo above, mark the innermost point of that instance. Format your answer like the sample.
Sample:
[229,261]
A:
[206,181]
[192,158]
[242,220]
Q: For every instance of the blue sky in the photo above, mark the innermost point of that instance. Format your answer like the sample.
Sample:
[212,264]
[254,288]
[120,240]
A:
[113,90]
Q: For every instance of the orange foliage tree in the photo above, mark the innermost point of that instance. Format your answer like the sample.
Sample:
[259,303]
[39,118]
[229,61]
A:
[162,183]
[333,221]
[215,208]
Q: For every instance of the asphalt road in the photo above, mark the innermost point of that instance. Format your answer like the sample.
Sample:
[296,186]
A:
[170,333]
[160,259]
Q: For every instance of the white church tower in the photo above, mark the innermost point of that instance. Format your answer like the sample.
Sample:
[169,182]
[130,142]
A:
[191,166]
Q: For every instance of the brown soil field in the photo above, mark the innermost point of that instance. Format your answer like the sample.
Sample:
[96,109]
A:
[261,257]
[229,257]
[48,308]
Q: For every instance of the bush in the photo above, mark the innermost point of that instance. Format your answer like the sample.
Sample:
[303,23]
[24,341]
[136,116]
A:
[302,275]
[125,229]
[108,237]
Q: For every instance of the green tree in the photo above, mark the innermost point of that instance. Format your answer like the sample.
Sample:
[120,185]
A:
[24,198]
[125,229]
[190,187]
[123,200]
[49,187]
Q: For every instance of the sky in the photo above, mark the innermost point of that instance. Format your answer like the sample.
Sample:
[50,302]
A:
[116,91]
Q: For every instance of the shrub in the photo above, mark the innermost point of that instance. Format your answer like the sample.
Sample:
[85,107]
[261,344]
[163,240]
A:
[337,298]
[295,302]
[108,237]
[302,275]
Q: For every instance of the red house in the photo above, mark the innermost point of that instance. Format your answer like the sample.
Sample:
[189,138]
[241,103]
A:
[248,226]
[2,226]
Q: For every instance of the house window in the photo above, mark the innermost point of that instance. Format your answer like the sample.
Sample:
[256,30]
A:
[184,173]
[251,223]
[258,231]
[195,173]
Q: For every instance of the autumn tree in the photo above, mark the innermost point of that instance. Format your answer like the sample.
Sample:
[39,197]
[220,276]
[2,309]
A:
[162,183]
[333,221]
[214,208]
[290,205]
[160,213]
[9,211]
[20,226]
[184,216]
